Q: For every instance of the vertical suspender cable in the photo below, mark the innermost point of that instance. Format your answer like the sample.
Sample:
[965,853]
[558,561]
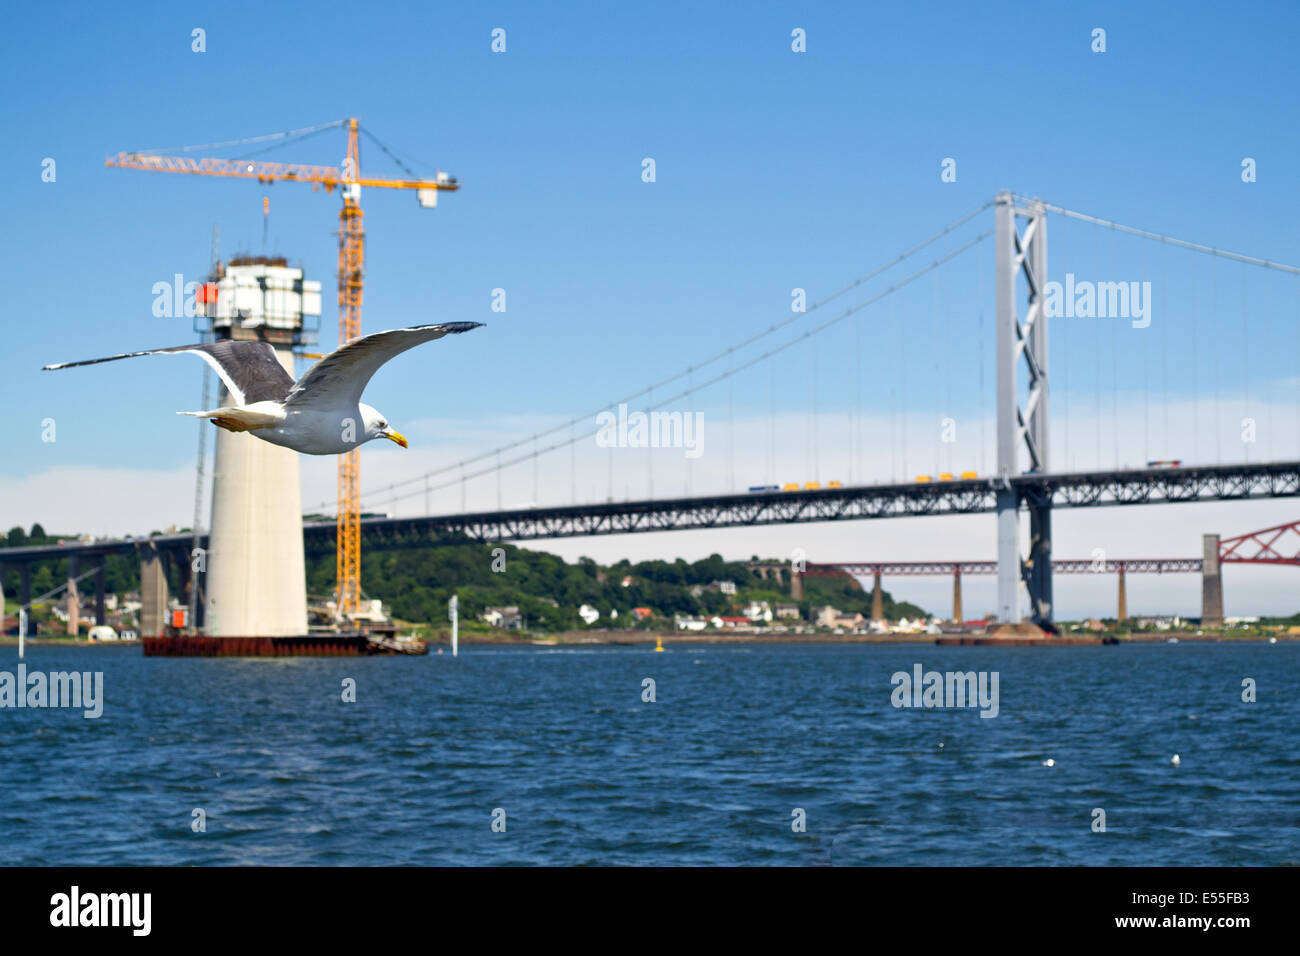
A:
[816,467]
[1196,394]
[947,357]
[731,430]
[1096,326]
[1146,376]
[1214,316]
[983,356]
[855,406]
[690,472]
[1164,357]
[1268,379]
[771,423]
[1245,362]
[649,452]
[936,367]
[1114,364]
[858,473]
[902,398]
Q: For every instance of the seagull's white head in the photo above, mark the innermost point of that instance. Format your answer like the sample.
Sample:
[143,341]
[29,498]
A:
[377,426]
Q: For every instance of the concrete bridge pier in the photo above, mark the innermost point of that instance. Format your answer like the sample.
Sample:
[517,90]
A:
[1122,614]
[1211,583]
[956,594]
[877,600]
[100,617]
[73,599]
[153,591]
[796,585]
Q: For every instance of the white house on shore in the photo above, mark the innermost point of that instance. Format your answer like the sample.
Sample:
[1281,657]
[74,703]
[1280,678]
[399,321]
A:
[833,617]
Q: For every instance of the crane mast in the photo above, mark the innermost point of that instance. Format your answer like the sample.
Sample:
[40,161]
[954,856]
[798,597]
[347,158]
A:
[352,254]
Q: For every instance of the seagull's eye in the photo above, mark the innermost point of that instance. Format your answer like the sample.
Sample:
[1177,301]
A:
[383,424]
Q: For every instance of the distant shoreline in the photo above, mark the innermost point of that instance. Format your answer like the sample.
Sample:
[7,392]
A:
[638,638]
[642,638]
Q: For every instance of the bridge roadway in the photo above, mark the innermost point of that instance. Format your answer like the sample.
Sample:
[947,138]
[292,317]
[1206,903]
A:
[971,496]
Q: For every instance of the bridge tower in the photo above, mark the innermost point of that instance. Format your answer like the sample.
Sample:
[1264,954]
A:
[255,575]
[1022,253]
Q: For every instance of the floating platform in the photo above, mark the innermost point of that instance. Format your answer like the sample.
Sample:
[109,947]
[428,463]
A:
[312,645]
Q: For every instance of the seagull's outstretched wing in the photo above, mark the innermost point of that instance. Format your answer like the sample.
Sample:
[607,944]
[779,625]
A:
[250,370]
[338,380]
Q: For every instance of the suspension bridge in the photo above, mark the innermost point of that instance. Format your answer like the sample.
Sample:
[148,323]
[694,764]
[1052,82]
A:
[943,390]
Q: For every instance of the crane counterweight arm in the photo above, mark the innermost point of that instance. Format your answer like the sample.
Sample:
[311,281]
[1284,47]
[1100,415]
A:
[327,176]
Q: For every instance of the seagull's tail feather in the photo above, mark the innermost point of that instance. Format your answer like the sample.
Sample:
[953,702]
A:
[237,419]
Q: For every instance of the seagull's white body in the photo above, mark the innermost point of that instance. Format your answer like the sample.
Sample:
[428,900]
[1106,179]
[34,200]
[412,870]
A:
[320,414]
[310,431]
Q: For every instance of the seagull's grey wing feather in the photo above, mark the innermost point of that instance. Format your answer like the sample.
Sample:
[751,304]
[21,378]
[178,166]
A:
[338,380]
[250,370]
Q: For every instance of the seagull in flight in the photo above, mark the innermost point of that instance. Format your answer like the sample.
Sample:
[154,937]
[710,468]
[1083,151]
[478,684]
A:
[320,414]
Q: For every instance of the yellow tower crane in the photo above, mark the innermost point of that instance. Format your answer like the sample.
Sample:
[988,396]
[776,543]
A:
[351,270]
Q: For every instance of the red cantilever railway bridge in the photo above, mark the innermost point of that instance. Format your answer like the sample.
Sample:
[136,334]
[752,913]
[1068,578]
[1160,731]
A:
[1278,545]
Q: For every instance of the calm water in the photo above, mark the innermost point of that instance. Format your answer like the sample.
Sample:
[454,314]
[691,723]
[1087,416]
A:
[587,774]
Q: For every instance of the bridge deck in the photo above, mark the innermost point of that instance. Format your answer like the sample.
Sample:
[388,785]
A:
[1141,486]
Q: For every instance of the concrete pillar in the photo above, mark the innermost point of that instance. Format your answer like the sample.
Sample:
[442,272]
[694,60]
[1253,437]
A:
[153,592]
[1040,554]
[956,594]
[256,581]
[877,600]
[100,617]
[1122,614]
[1211,583]
[73,599]
[796,585]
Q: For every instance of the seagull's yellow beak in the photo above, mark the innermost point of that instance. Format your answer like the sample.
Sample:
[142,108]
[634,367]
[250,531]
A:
[395,437]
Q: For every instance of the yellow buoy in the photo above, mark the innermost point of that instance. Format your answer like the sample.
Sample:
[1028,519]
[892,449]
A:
[659,643]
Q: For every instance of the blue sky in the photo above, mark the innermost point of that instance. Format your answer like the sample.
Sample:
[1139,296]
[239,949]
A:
[774,170]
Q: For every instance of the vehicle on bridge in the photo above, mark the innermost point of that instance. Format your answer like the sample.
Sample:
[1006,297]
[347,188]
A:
[793,486]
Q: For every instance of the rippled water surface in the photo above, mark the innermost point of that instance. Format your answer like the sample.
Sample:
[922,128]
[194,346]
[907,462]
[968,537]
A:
[710,772]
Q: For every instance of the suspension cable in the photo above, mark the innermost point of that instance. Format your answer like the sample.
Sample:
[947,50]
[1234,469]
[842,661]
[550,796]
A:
[1147,234]
[851,310]
[649,390]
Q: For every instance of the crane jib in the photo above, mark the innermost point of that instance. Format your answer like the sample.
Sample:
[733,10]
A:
[327,176]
